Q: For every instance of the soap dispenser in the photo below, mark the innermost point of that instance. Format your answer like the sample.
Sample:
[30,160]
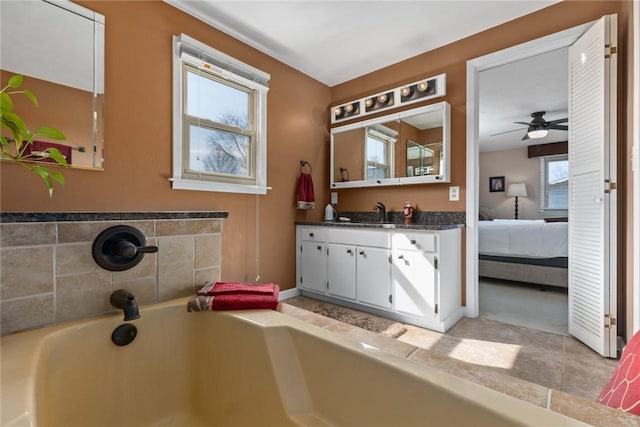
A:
[330,213]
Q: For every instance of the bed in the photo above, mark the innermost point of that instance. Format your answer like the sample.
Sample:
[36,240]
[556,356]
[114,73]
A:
[532,251]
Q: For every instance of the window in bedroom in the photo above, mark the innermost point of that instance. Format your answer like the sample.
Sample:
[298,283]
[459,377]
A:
[219,121]
[380,143]
[554,184]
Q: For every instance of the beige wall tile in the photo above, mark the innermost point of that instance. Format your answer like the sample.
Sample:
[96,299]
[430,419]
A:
[175,280]
[208,250]
[206,274]
[22,234]
[82,295]
[175,249]
[143,288]
[26,271]
[75,259]
[188,226]
[69,232]
[27,313]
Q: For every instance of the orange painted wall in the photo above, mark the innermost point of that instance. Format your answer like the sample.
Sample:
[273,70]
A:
[138,143]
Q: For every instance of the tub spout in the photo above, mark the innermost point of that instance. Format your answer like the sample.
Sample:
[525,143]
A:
[125,301]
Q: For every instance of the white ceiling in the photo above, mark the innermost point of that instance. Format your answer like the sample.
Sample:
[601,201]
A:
[336,41]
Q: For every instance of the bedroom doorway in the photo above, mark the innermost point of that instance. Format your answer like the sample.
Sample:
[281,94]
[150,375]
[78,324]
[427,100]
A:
[583,314]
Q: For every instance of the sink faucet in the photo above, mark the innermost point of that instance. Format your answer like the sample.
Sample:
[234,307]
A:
[126,301]
[383,211]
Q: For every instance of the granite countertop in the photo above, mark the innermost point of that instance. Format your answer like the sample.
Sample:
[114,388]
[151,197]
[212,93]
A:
[392,226]
[395,220]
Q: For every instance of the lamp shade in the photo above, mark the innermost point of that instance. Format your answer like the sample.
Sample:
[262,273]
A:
[517,190]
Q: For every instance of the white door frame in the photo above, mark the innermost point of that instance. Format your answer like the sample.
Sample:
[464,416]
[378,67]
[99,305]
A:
[474,67]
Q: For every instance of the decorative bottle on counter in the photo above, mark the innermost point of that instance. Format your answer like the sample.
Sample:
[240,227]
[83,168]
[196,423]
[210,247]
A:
[408,213]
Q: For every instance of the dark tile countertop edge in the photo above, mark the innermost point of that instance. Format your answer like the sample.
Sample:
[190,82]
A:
[385,226]
[12,217]
[395,220]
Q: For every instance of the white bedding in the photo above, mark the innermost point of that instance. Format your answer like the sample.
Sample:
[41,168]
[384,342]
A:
[523,238]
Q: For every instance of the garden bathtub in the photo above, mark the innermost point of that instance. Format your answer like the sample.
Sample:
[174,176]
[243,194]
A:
[243,368]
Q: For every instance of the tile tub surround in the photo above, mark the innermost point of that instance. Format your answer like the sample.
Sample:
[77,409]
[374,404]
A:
[48,275]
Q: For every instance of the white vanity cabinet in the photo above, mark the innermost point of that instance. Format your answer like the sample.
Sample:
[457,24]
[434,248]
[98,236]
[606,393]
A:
[312,259]
[409,275]
[358,265]
[425,277]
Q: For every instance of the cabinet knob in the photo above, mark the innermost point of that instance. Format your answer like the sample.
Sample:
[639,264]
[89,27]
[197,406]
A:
[349,251]
[400,256]
[319,247]
[310,234]
[361,252]
[413,242]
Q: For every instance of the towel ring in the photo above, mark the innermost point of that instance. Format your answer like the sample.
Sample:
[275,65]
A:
[304,163]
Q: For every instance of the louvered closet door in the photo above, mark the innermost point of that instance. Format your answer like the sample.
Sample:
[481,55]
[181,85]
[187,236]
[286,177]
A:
[591,208]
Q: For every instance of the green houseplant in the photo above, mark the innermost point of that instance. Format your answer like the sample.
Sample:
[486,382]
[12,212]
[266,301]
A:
[13,147]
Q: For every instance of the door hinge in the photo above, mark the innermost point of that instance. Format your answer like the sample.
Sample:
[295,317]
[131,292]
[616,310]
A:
[435,262]
[610,50]
[390,299]
[390,260]
[301,280]
[300,248]
[608,186]
[609,321]
[327,284]
[436,308]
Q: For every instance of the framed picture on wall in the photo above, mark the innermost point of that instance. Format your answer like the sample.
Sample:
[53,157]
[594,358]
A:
[496,184]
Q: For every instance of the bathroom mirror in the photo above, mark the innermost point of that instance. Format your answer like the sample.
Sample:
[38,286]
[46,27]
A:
[409,147]
[58,46]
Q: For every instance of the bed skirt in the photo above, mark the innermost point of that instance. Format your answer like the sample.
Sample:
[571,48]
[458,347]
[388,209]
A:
[549,271]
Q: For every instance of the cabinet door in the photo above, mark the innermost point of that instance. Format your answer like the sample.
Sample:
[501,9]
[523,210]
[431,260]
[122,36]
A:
[341,275]
[413,277]
[373,271]
[313,266]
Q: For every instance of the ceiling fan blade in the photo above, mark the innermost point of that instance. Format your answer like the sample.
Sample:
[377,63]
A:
[507,131]
[522,123]
[525,137]
[557,121]
[559,127]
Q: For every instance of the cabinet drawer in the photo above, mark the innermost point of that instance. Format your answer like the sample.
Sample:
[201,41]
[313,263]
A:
[416,241]
[312,233]
[376,238]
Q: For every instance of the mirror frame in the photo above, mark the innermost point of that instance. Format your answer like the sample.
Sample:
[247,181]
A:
[445,174]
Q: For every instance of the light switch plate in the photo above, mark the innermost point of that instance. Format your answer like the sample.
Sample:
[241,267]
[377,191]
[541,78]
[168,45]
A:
[454,193]
[334,197]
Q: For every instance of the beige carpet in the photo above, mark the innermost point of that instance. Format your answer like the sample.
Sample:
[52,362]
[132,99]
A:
[532,306]
[356,318]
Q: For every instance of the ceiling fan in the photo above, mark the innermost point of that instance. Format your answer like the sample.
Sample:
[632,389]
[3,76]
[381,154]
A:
[539,127]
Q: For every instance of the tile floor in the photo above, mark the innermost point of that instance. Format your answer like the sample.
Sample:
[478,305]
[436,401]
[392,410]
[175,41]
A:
[524,363]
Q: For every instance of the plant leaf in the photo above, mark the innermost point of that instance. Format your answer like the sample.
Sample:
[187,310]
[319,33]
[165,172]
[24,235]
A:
[31,96]
[15,81]
[50,132]
[57,176]
[43,173]
[5,103]
[56,155]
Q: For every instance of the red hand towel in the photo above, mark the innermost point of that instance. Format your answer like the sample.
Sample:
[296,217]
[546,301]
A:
[306,196]
[219,288]
[234,301]
[39,146]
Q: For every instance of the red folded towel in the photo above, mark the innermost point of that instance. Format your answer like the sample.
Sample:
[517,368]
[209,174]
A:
[219,288]
[234,301]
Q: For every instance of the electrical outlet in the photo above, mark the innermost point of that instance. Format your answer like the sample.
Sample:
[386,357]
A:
[454,193]
[334,197]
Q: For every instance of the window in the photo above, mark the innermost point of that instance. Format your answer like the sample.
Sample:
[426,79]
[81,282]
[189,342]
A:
[219,121]
[379,156]
[554,184]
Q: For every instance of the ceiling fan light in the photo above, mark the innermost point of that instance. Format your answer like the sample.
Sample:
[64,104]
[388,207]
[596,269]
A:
[537,133]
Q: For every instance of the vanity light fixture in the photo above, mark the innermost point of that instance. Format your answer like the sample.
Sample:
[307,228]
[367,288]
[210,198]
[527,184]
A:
[421,90]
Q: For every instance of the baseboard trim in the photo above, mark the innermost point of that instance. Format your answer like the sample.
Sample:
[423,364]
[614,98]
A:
[288,293]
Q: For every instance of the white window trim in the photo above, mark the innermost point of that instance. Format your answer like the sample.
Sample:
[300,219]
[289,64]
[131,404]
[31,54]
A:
[543,183]
[229,68]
